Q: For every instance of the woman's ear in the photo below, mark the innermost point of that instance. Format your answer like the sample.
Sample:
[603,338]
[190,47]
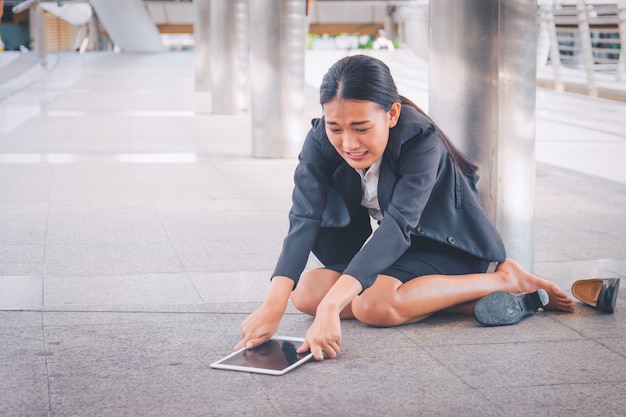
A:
[394,114]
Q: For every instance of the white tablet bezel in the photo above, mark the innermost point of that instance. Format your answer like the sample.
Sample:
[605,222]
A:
[220,365]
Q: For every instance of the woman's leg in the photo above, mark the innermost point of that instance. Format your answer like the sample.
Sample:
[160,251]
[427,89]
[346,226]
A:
[389,302]
[312,287]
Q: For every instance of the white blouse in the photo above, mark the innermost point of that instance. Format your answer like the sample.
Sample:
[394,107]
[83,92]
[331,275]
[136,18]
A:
[369,185]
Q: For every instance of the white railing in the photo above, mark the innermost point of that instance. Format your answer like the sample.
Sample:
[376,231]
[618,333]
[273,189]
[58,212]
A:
[586,35]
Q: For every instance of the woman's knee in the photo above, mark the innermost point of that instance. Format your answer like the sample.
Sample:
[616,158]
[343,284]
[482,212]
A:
[311,288]
[375,312]
[304,302]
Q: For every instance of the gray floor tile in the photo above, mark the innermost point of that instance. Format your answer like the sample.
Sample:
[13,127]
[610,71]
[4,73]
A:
[419,385]
[21,260]
[24,387]
[106,229]
[24,182]
[125,291]
[142,231]
[231,287]
[557,362]
[102,207]
[110,259]
[592,324]
[572,400]
[22,336]
[167,385]
[21,293]
[445,330]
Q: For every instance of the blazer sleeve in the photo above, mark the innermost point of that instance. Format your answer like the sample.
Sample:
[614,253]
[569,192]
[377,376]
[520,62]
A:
[416,168]
[311,184]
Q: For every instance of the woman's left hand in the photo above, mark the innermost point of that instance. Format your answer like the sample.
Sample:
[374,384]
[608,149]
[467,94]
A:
[324,335]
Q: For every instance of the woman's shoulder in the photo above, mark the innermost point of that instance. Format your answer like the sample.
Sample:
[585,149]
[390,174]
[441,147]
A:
[317,134]
[412,127]
[410,117]
[317,144]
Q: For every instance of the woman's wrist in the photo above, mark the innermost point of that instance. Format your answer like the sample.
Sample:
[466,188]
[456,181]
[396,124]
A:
[328,307]
[340,295]
[279,292]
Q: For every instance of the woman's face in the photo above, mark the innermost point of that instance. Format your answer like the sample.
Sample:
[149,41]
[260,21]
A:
[359,130]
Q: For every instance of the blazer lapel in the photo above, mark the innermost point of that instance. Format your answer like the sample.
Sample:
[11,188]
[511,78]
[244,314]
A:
[386,182]
[348,183]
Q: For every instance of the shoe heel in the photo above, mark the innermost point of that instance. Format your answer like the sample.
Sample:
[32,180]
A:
[537,300]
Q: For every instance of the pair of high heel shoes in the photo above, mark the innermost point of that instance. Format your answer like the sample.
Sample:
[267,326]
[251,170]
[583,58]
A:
[501,308]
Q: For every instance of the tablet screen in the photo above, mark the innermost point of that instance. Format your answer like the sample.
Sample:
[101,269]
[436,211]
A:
[276,357]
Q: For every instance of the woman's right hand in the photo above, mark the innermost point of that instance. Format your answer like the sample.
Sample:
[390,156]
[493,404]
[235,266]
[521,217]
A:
[259,327]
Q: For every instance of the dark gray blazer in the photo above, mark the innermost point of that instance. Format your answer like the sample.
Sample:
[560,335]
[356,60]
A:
[421,192]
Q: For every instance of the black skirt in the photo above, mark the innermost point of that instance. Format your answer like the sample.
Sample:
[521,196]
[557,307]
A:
[428,257]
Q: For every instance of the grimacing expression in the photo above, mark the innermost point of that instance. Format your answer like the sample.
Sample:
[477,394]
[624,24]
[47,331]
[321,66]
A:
[359,130]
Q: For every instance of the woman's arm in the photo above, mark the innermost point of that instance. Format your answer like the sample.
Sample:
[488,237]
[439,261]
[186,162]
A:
[259,326]
[324,335]
[416,169]
[311,180]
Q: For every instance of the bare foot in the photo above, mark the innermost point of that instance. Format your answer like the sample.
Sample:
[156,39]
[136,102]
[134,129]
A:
[523,281]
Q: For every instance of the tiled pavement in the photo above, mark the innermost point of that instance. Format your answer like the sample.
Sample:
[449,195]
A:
[136,232]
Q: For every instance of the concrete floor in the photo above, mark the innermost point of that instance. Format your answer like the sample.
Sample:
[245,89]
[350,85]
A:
[137,232]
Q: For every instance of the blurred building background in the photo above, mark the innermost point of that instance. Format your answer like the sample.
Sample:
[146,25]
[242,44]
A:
[584,35]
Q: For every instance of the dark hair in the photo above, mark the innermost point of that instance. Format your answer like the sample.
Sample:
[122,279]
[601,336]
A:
[362,77]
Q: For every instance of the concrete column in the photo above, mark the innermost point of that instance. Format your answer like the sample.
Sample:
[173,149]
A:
[482,93]
[277,48]
[201,44]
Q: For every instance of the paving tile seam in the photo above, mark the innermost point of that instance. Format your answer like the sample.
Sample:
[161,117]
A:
[132,274]
[452,370]
[516,342]
[44,353]
[121,158]
[598,341]
[260,381]
[150,310]
[596,384]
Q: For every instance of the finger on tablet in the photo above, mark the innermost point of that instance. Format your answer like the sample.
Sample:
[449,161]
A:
[304,347]
[250,343]
[318,354]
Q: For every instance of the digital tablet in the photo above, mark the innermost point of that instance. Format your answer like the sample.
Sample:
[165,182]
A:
[277,356]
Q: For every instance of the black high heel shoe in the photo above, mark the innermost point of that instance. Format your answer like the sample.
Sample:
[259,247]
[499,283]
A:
[501,308]
[599,293]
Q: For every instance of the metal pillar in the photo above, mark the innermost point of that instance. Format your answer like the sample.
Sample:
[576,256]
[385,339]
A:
[482,93]
[415,23]
[38,33]
[277,48]
[389,23]
[585,45]
[201,44]
[243,51]
[223,61]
